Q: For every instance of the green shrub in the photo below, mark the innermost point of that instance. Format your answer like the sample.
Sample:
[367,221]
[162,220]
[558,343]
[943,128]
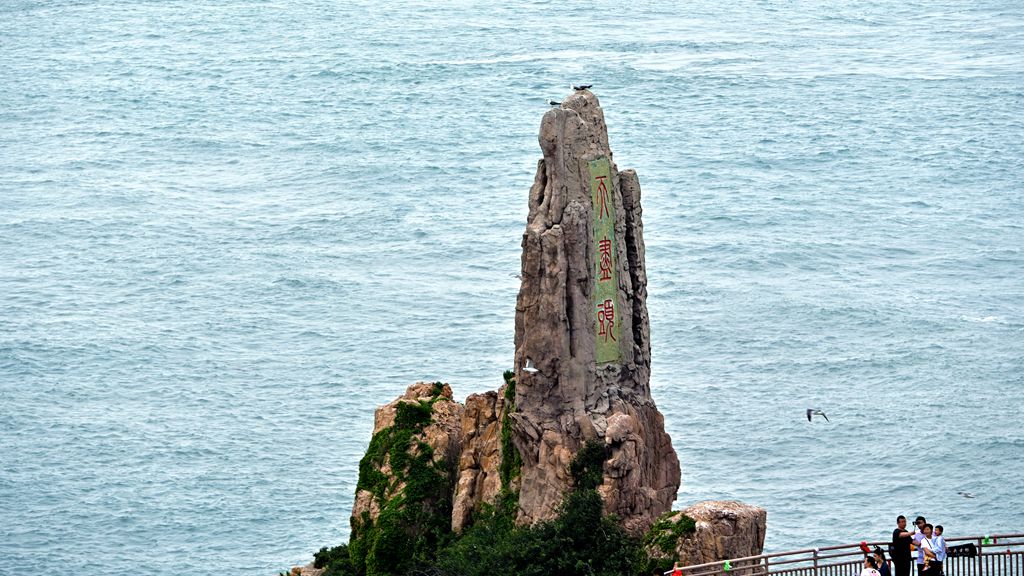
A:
[511,460]
[414,521]
[413,534]
[666,532]
[580,541]
[336,560]
[587,467]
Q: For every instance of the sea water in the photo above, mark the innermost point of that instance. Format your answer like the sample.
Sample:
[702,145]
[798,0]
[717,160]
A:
[229,230]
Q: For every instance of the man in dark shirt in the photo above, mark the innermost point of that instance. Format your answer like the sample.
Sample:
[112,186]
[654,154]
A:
[900,552]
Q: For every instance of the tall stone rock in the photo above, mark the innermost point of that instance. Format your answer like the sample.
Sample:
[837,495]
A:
[582,373]
[582,332]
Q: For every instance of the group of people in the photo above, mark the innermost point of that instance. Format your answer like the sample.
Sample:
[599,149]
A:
[928,541]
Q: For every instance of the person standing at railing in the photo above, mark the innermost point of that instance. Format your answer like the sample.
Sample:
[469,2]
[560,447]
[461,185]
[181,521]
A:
[883,566]
[919,531]
[926,563]
[918,536]
[940,548]
[900,551]
[870,567]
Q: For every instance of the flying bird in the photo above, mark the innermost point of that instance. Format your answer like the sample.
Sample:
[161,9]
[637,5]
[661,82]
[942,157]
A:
[966,494]
[553,103]
[815,412]
[582,87]
[529,366]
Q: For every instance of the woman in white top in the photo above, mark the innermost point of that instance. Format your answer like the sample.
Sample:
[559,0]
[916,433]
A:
[926,551]
[870,567]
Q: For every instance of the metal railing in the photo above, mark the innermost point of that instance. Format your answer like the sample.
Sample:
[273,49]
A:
[997,555]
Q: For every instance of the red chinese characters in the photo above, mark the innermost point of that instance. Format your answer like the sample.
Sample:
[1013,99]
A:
[602,197]
[604,255]
[606,319]
[604,248]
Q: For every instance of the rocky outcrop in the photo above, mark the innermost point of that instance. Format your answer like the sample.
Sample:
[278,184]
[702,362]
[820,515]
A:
[582,324]
[581,320]
[307,570]
[722,530]
[443,434]
[479,478]
[580,387]
[465,439]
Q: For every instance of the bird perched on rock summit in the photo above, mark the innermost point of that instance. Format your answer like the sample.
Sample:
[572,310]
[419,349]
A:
[582,87]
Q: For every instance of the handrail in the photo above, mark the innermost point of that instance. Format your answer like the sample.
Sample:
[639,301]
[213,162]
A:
[814,555]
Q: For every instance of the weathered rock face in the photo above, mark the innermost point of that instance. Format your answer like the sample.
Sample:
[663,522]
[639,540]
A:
[463,438]
[724,530]
[582,374]
[479,479]
[443,434]
[581,320]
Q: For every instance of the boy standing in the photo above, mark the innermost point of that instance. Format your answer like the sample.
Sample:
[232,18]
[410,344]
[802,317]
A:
[939,544]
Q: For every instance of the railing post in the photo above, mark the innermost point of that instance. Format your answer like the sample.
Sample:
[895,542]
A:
[767,571]
[978,565]
[816,562]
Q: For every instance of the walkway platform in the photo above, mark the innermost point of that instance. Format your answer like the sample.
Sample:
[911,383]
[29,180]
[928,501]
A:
[996,555]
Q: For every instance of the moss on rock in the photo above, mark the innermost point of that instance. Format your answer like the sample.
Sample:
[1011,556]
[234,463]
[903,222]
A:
[414,499]
[511,460]
[580,541]
[412,532]
[664,535]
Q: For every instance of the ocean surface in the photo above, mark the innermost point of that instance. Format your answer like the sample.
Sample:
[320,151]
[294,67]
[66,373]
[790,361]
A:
[229,230]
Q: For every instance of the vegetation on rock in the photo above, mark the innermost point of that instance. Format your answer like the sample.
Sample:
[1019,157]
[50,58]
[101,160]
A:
[587,468]
[666,532]
[413,533]
[414,501]
[580,541]
[336,560]
[511,460]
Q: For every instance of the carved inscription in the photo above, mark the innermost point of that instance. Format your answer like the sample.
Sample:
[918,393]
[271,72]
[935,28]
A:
[606,277]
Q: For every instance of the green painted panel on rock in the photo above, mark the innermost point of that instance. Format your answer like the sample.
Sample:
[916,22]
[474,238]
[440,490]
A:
[606,275]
